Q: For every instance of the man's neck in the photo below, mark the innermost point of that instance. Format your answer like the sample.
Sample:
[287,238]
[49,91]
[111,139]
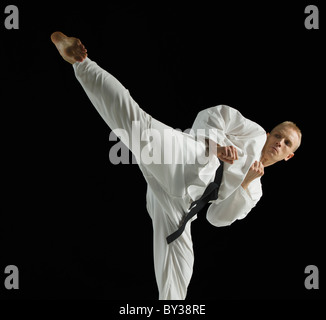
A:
[266,162]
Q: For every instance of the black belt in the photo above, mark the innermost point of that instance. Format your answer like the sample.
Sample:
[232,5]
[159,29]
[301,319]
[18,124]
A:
[211,193]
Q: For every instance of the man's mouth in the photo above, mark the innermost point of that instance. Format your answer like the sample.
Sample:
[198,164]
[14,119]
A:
[275,149]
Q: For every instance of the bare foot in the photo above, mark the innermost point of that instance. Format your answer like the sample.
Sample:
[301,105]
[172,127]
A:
[70,48]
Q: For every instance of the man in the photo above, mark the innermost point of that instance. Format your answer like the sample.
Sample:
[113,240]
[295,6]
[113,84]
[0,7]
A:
[219,135]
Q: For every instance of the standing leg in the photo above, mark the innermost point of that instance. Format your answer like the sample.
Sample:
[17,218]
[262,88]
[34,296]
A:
[173,263]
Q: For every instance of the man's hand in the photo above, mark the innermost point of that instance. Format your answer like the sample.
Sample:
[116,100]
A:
[227,154]
[256,170]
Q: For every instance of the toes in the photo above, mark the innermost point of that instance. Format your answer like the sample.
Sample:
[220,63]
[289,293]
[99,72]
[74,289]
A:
[82,48]
[80,57]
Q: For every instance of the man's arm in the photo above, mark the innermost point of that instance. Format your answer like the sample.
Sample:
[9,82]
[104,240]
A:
[227,154]
[223,123]
[256,171]
[236,206]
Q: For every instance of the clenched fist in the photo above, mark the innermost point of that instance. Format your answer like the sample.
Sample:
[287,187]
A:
[227,154]
[256,170]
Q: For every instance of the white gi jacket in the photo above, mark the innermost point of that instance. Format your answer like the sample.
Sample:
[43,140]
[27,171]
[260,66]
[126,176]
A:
[227,127]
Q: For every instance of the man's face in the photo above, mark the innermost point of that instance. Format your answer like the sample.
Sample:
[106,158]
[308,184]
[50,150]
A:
[280,144]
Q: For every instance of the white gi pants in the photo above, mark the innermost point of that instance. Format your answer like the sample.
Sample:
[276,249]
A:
[167,197]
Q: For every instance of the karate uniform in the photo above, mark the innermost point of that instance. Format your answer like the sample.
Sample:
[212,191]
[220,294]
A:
[172,187]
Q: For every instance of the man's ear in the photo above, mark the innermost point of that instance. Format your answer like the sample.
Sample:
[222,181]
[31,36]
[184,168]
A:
[289,157]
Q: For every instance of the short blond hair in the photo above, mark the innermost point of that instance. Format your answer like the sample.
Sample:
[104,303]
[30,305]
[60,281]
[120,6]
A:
[293,126]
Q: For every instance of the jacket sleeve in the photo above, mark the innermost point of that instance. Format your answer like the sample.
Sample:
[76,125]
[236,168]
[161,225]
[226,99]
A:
[223,122]
[236,206]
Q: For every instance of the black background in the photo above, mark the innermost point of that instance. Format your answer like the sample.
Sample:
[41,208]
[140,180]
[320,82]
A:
[59,224]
